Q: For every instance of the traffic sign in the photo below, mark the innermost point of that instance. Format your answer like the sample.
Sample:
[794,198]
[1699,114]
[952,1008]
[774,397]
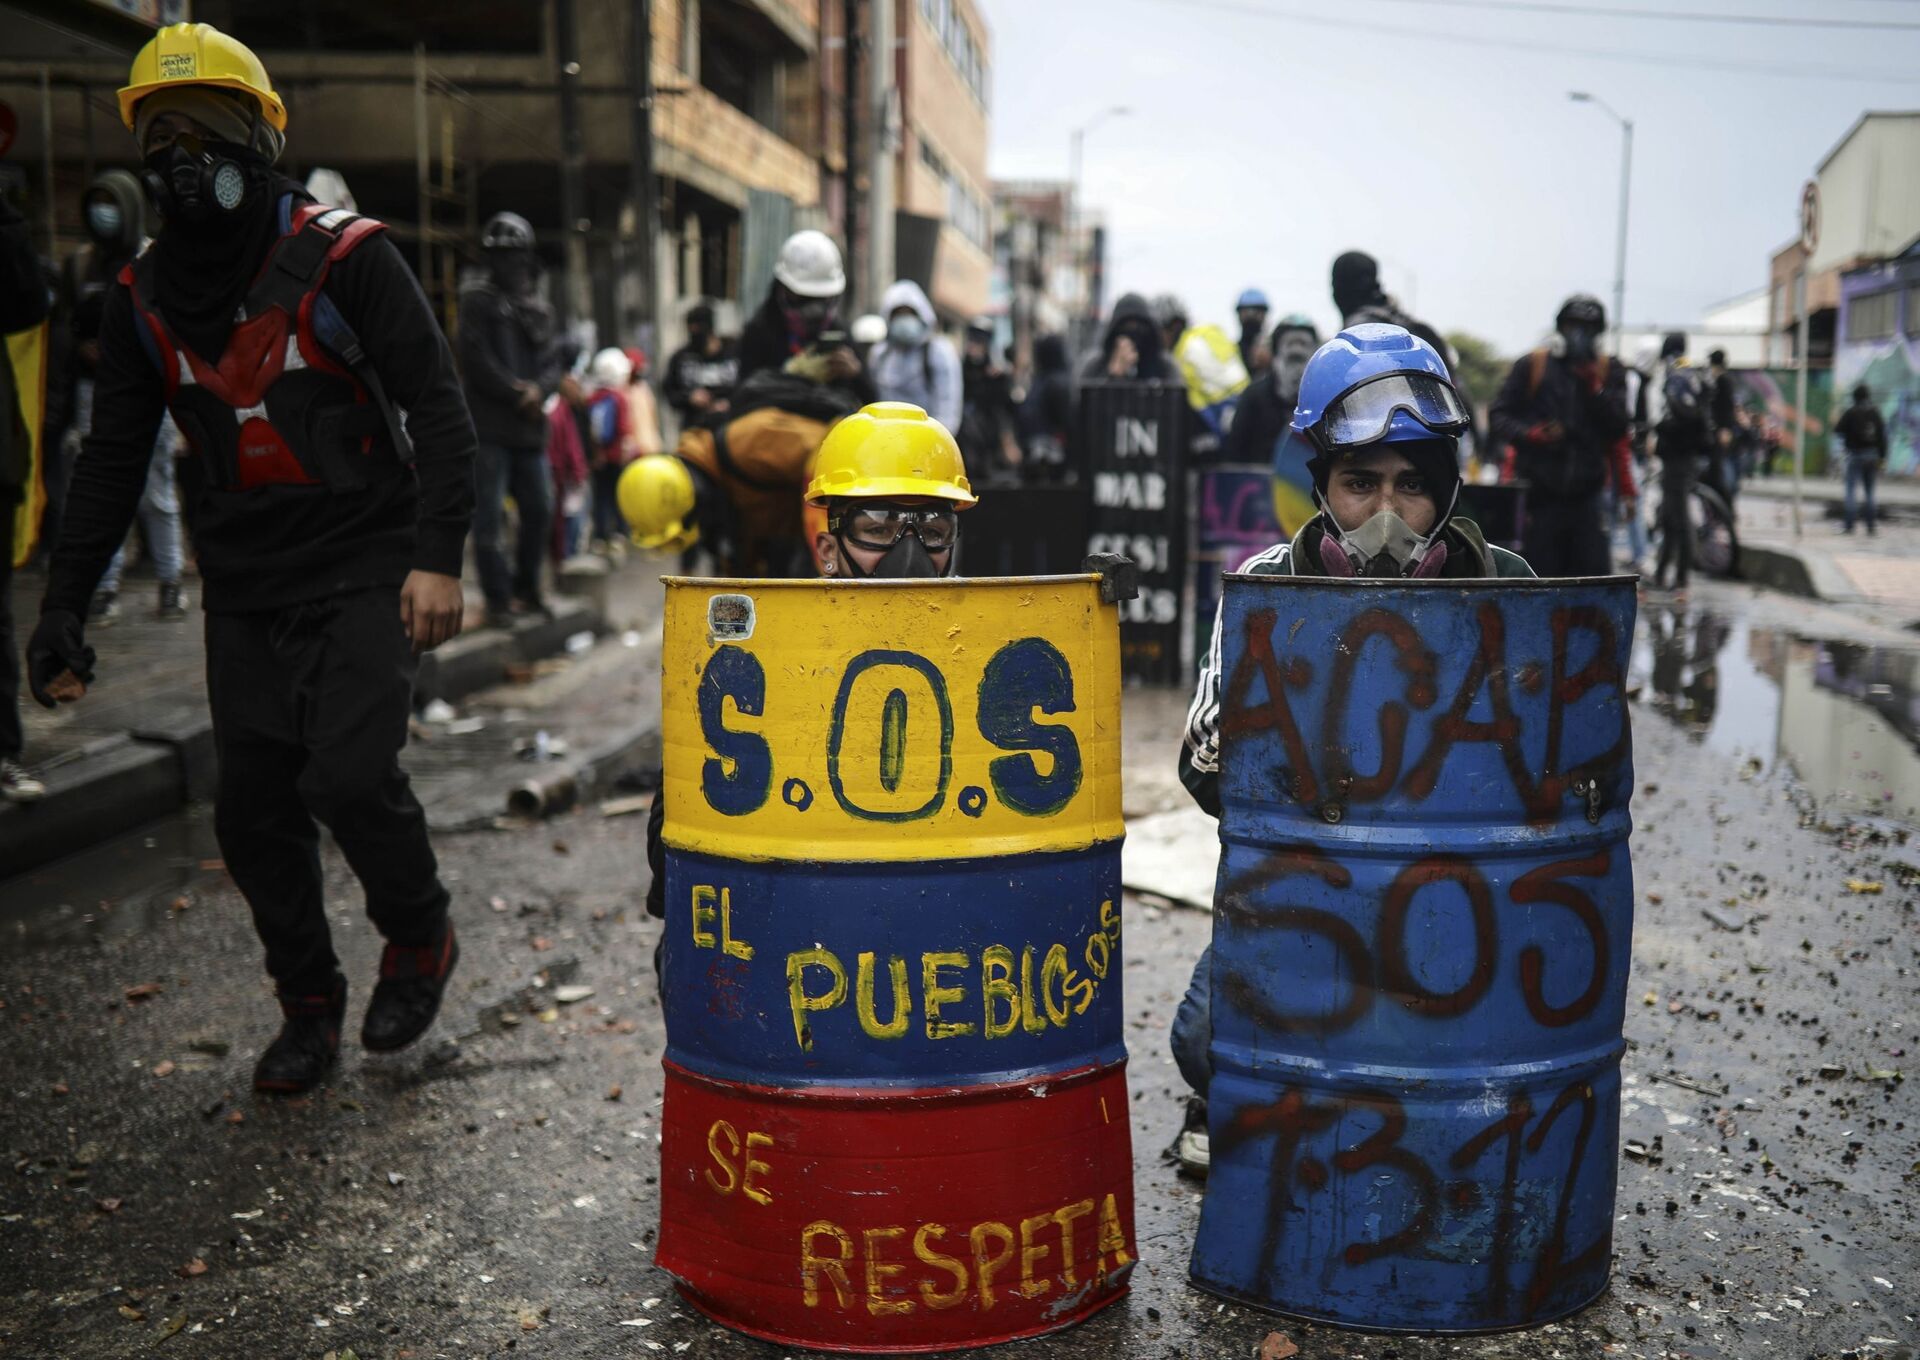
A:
[1810,217]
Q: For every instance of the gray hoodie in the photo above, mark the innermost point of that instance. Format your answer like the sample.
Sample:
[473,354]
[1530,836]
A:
[926,374]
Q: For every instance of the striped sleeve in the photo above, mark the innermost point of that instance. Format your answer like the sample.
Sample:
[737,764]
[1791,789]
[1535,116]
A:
[1200,748]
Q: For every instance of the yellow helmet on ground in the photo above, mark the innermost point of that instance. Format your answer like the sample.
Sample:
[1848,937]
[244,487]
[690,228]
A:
[199,54]
[656,497]
[888,449]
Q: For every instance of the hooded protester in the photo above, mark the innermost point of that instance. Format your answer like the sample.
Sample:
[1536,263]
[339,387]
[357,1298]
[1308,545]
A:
[329,527]
[701,374]
[1360,298]
[114,212]
[1382,422]
[1266,407]
[1046,416]
[915,364]
[1250,309]
[1130,349]
[512,360]
[1563,408]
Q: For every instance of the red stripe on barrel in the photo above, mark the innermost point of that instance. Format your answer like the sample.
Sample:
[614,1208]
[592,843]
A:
[898,1221]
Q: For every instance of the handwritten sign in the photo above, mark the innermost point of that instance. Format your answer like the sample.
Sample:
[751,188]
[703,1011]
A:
[1421,942]
[1135,435]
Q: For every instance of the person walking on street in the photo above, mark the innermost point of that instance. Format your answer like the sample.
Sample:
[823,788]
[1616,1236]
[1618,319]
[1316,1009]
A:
[329,530]
[915,363]
[988,418]
[1563,408]
[23,305]
[1863,433]
[511,361]
[701,374]
[1729,436]
[1679,413]
[612,441]
[1251,311]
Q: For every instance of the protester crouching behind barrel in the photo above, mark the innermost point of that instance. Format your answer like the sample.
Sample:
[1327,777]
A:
[892,483]
[329,538]
[1378,422]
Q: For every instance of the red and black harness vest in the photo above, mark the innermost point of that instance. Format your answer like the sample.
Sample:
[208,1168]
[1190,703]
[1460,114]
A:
[292,400]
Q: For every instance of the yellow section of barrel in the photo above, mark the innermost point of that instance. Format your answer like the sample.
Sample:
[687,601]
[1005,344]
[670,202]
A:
[988,724]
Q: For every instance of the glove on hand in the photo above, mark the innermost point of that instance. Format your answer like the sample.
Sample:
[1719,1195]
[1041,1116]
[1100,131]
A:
[59,662]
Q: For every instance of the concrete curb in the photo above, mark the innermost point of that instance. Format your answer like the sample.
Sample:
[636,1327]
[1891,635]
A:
[115,785]
[167,760]
[1811,575]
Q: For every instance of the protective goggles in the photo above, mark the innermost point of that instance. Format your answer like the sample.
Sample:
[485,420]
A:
[1363,415]
[879,526]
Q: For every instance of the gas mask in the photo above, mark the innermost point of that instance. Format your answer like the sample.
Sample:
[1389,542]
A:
[907,556]
[104,220]
[906,559]
[200,183]
[1581,343]
[906,330]
[806,317]
[1384,546]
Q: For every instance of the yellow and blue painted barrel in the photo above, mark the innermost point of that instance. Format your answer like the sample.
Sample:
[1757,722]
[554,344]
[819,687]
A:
[896,1107]
[1422,931]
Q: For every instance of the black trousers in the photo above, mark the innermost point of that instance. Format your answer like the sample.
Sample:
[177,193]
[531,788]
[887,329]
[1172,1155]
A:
[310,707]
[1566,536]
[12,740]
[1676,532]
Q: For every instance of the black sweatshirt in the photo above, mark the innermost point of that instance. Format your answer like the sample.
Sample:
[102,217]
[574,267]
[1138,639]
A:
[281,545]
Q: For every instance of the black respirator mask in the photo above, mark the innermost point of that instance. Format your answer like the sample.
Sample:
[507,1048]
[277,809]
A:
[907,530]
[201,183]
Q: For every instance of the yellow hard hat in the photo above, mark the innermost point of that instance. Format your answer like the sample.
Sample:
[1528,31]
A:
[656,497]
[887,449]
[199,54]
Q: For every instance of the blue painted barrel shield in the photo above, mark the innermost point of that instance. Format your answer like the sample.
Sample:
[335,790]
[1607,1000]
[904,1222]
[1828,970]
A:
[1421,941]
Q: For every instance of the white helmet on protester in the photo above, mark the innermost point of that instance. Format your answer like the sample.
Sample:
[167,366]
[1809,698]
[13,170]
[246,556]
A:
[611,368]
[809,265]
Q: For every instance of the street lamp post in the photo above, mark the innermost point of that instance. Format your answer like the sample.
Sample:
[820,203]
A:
[1620,240]
[1075,150]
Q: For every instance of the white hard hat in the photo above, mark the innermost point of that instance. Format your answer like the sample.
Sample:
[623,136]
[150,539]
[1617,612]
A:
[870,329]
[611,368]
[809,265]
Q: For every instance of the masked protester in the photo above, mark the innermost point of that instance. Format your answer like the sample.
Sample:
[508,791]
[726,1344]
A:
[1680,416]
[1046,416]
[1131,349]
[1564,410]
[1381,422]
[915,363]
[329,532]
[702,373]
[1862,432]
[1266,408]
[989,419]
[892,483]
[1250,309]
[512,360]
[802,306]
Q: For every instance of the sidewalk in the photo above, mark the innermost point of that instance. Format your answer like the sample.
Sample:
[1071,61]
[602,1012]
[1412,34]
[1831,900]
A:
[140,746]
[1822,563]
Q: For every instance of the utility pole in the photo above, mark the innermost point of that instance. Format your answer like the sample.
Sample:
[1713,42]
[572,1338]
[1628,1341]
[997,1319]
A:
[646,209]
[574,304]
[880,97]
[850,148]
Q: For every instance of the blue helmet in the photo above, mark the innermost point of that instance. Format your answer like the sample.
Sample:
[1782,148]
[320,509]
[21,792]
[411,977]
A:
[1252,297]
[1375,383]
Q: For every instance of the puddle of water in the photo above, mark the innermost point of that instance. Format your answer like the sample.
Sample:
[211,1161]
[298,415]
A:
[1843,718]
[117,888]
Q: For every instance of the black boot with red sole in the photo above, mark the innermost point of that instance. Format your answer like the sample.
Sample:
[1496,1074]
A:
[309,1041]
[407,997]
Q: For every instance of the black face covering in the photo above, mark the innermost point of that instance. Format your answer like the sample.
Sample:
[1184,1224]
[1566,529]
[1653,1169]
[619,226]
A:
[1581,343]
[908,558]
[217,202]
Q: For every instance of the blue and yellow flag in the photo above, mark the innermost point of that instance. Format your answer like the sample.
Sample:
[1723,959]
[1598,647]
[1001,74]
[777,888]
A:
[27,353]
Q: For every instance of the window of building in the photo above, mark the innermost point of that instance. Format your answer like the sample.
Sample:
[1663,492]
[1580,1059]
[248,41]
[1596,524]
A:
[944,17]
[1871,315]
[743,72]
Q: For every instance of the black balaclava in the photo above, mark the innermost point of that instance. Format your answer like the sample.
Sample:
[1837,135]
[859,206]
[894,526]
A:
[206,257]
[1356,282]
[1133,318]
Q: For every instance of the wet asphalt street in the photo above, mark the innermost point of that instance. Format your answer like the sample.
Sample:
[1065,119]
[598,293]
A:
[492,1192]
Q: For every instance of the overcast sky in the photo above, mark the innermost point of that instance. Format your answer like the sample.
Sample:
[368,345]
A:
[1266,136]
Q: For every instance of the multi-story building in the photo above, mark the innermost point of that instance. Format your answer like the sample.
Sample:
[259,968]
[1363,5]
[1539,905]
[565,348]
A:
[944,230]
